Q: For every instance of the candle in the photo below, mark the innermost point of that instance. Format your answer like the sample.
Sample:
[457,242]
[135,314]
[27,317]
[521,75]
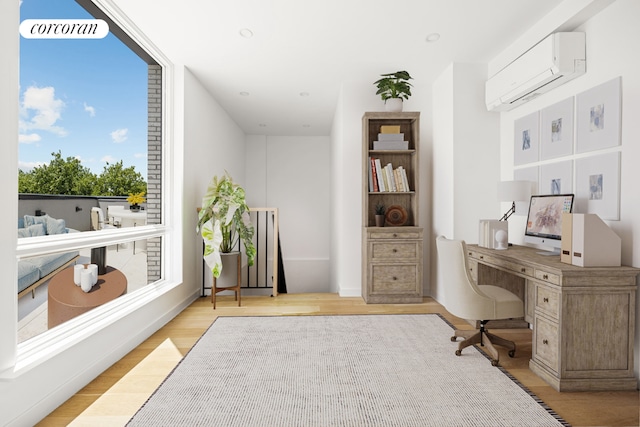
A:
[77,270]
[93,268]
[86,280]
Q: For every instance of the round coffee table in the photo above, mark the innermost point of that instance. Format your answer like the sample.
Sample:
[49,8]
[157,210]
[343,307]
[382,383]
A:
[66,300]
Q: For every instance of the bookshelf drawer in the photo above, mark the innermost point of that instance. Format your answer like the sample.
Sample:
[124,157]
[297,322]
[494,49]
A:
[394,250]
[394,279]
[386,235]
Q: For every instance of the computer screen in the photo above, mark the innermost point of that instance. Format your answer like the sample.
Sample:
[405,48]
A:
[544,219]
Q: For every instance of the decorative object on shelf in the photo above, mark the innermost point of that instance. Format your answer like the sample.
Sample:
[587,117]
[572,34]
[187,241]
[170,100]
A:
[135,200]
[380,215]
[223,220]
[393,88]
[396,215]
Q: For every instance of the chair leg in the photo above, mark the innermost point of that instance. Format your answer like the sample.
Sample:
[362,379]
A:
[486,340]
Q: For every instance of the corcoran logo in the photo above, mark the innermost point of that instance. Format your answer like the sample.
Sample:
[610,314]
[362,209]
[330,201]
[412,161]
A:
[64,29]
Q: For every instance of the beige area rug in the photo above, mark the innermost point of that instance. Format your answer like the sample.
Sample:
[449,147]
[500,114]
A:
[352,370]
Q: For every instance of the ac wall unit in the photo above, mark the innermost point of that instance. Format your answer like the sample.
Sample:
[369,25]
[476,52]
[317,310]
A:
[554,61]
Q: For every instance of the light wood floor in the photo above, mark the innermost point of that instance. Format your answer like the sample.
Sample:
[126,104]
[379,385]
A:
[113,397]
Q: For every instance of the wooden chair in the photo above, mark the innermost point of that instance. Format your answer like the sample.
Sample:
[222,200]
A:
[236,288]
[465,299]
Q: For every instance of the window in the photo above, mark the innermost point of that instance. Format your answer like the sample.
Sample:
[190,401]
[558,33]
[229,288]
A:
[131,241]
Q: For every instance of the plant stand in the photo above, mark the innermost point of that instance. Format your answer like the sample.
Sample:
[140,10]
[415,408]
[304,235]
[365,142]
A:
[228,262]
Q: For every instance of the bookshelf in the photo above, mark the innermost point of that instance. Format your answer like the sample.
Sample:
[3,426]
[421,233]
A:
[392,255]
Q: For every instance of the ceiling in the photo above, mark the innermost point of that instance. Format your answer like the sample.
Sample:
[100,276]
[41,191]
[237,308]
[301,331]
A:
[286,78]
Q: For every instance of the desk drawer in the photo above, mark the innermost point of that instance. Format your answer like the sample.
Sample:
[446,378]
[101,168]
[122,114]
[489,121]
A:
[547,300]
[548,277]
[546,343]
[395,250]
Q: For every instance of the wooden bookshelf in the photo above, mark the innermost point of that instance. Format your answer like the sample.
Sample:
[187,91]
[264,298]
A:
[392,255]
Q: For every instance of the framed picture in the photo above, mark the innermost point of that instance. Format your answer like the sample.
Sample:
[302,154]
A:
[599,117]
[526,139]
[556,130]
[598,185]
[556,178]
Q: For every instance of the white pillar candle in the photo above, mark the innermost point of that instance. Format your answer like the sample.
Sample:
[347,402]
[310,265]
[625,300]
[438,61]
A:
[86,280]
[77,270]
[93,268]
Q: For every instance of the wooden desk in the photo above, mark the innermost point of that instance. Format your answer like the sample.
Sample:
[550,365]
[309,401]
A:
[66,300]
[583,318]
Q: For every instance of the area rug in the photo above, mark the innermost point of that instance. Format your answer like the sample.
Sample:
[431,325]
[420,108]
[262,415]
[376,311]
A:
[351,370]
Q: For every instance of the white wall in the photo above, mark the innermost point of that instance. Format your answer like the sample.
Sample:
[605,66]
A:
[466,158]
[293,174]
[613,38]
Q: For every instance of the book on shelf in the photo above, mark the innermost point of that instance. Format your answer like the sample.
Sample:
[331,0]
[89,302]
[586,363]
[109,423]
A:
[391,137]
[390,129]
[390,145]
[387,178]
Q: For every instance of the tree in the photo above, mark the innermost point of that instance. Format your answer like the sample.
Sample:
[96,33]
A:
[68,176]
[60,176]
[116,180]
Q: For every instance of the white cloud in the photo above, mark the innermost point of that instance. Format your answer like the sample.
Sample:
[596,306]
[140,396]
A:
[29,139]
[140,155]
[42,110]
[89,109]
[109,159]
[119,135]
[28,166]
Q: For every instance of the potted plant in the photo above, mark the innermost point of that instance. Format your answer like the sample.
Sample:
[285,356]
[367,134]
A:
[380,210]
[393,88]
[223,220]
[135,199]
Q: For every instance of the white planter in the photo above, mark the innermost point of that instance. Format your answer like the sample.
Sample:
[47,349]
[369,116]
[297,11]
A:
[393,105]
[229,274]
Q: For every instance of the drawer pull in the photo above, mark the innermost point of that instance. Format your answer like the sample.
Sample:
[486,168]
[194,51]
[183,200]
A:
[545,276]
[545,299]
[481,256]
[470,253]
[545,342]
[395,235]
[395,278]
[394,250]
[523,270]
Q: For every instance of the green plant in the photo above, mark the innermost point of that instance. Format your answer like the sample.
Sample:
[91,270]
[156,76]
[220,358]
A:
[223,220]
[380,210]
[394,85]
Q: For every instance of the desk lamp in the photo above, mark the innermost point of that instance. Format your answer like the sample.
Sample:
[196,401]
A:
[513,191]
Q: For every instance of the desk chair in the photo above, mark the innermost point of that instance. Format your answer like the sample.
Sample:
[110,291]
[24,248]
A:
[465,299]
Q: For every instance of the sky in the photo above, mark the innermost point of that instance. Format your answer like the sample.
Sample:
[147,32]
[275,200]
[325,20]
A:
[86,98]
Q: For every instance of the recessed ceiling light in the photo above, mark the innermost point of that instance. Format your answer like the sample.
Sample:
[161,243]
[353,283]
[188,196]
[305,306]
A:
[433,37]
[244,93]
[246,33]
[304,94]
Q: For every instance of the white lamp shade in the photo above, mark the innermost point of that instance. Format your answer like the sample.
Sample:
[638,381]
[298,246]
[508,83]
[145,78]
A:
[514,191]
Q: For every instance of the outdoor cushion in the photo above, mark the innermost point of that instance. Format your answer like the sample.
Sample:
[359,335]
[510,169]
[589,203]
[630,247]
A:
[47,263]
[28,273]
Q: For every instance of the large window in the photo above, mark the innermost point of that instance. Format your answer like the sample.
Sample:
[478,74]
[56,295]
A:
[91,133]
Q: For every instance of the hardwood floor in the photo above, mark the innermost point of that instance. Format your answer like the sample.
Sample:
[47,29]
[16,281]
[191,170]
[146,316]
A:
[113,397]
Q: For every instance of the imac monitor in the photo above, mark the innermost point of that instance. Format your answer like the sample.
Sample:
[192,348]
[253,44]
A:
[544,220]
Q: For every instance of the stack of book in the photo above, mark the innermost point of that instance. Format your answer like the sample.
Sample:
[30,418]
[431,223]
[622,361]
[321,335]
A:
[387,178]
[390,138]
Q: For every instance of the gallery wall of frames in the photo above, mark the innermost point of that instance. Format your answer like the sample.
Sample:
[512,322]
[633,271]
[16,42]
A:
[574,146]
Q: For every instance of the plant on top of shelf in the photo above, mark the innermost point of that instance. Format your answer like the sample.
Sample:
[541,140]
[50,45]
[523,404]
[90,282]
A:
[223,220]
[394,86]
